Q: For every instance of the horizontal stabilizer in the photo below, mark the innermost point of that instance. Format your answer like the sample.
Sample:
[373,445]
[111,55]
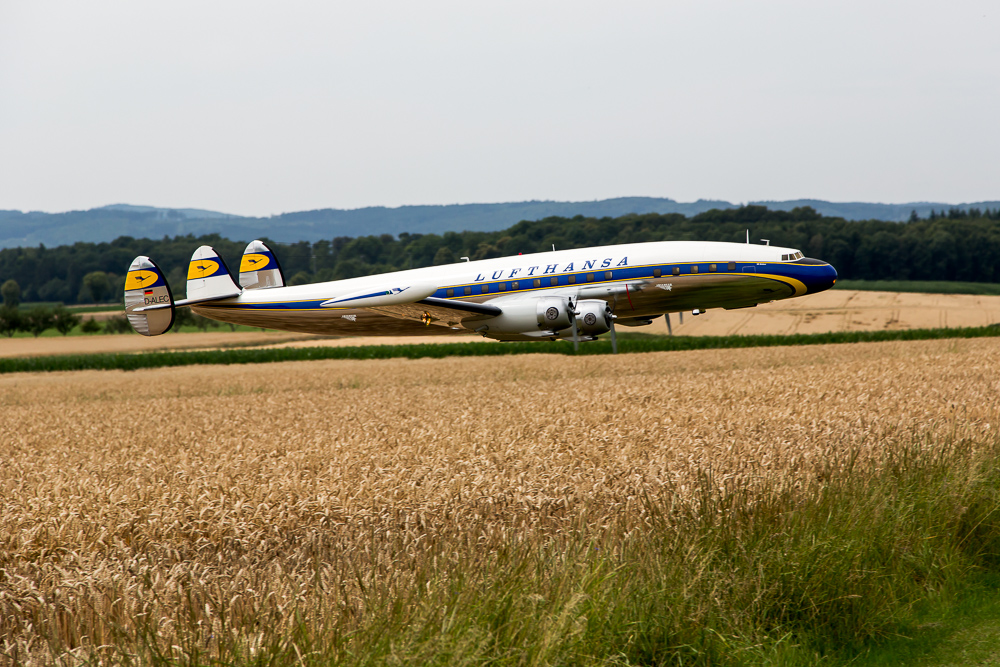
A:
[259,267]
[390,296]
[208,276]
[187,302]
[146,288]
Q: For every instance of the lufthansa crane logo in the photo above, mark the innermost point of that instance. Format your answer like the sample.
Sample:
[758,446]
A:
[202,268]
[253,262]
[139,279]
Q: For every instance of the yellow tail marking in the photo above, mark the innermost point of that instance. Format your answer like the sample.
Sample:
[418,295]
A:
[139,279]
[252,262]
[201,268]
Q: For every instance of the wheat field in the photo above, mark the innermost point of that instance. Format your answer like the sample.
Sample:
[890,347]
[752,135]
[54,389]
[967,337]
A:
[156,513]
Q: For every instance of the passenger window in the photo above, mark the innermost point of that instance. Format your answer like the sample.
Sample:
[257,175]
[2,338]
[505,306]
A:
[502,287]
[590,277]
[514,284]
[694,268]
[712,268]
[676,271]
[570,280]
[607,275]
[451,292]
[468,290]
[486,289]
[732,266]
[538,283]
[657,273]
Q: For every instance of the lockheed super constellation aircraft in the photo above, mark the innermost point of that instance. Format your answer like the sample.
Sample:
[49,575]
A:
[567,294]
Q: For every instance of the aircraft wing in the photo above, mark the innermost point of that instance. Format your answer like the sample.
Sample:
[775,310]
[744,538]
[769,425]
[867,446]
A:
[413,302]
[431,310]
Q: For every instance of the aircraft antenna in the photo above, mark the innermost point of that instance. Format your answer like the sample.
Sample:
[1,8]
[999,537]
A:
[766,241]
[553,247]
[464,259]
[748,237]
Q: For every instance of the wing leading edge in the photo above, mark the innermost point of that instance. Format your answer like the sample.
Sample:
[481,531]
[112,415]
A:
[443,312]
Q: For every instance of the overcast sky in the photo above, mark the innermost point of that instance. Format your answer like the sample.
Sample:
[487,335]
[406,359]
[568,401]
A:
[264,107]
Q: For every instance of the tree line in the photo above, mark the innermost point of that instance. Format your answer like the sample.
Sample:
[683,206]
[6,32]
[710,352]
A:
[38,318]
[954,245]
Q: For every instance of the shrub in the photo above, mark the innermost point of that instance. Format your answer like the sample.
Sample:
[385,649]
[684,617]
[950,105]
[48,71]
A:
[38,319]
[11,321]
[117,324]
[64,320]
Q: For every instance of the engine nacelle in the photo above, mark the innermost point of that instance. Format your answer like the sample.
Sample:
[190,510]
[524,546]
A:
[593,317]
[531,315]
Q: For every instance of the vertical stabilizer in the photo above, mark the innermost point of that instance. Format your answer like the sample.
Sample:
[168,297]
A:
[208,276]
[259,267]
[145,287]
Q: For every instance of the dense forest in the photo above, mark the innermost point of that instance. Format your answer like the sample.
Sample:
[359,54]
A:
[953,245]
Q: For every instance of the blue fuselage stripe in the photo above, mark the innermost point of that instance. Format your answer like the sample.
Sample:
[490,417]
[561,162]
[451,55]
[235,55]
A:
[799,272]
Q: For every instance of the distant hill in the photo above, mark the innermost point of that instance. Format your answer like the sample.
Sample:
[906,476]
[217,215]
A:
[866,211]
[109,222]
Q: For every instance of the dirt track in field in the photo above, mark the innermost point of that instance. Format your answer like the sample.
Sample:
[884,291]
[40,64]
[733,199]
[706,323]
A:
[841,310]
[94,344]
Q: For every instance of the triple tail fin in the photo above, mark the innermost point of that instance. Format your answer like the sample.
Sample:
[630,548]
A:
[259,267]
[208,277]
[146,288]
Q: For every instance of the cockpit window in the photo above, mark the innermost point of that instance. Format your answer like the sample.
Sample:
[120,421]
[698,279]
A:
[791,256]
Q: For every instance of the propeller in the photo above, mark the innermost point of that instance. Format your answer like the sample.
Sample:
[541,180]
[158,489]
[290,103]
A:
[614,340]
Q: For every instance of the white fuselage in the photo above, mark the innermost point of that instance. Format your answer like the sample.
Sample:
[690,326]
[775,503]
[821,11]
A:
[638,280]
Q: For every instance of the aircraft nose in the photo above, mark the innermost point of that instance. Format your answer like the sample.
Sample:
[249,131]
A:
[821,278]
